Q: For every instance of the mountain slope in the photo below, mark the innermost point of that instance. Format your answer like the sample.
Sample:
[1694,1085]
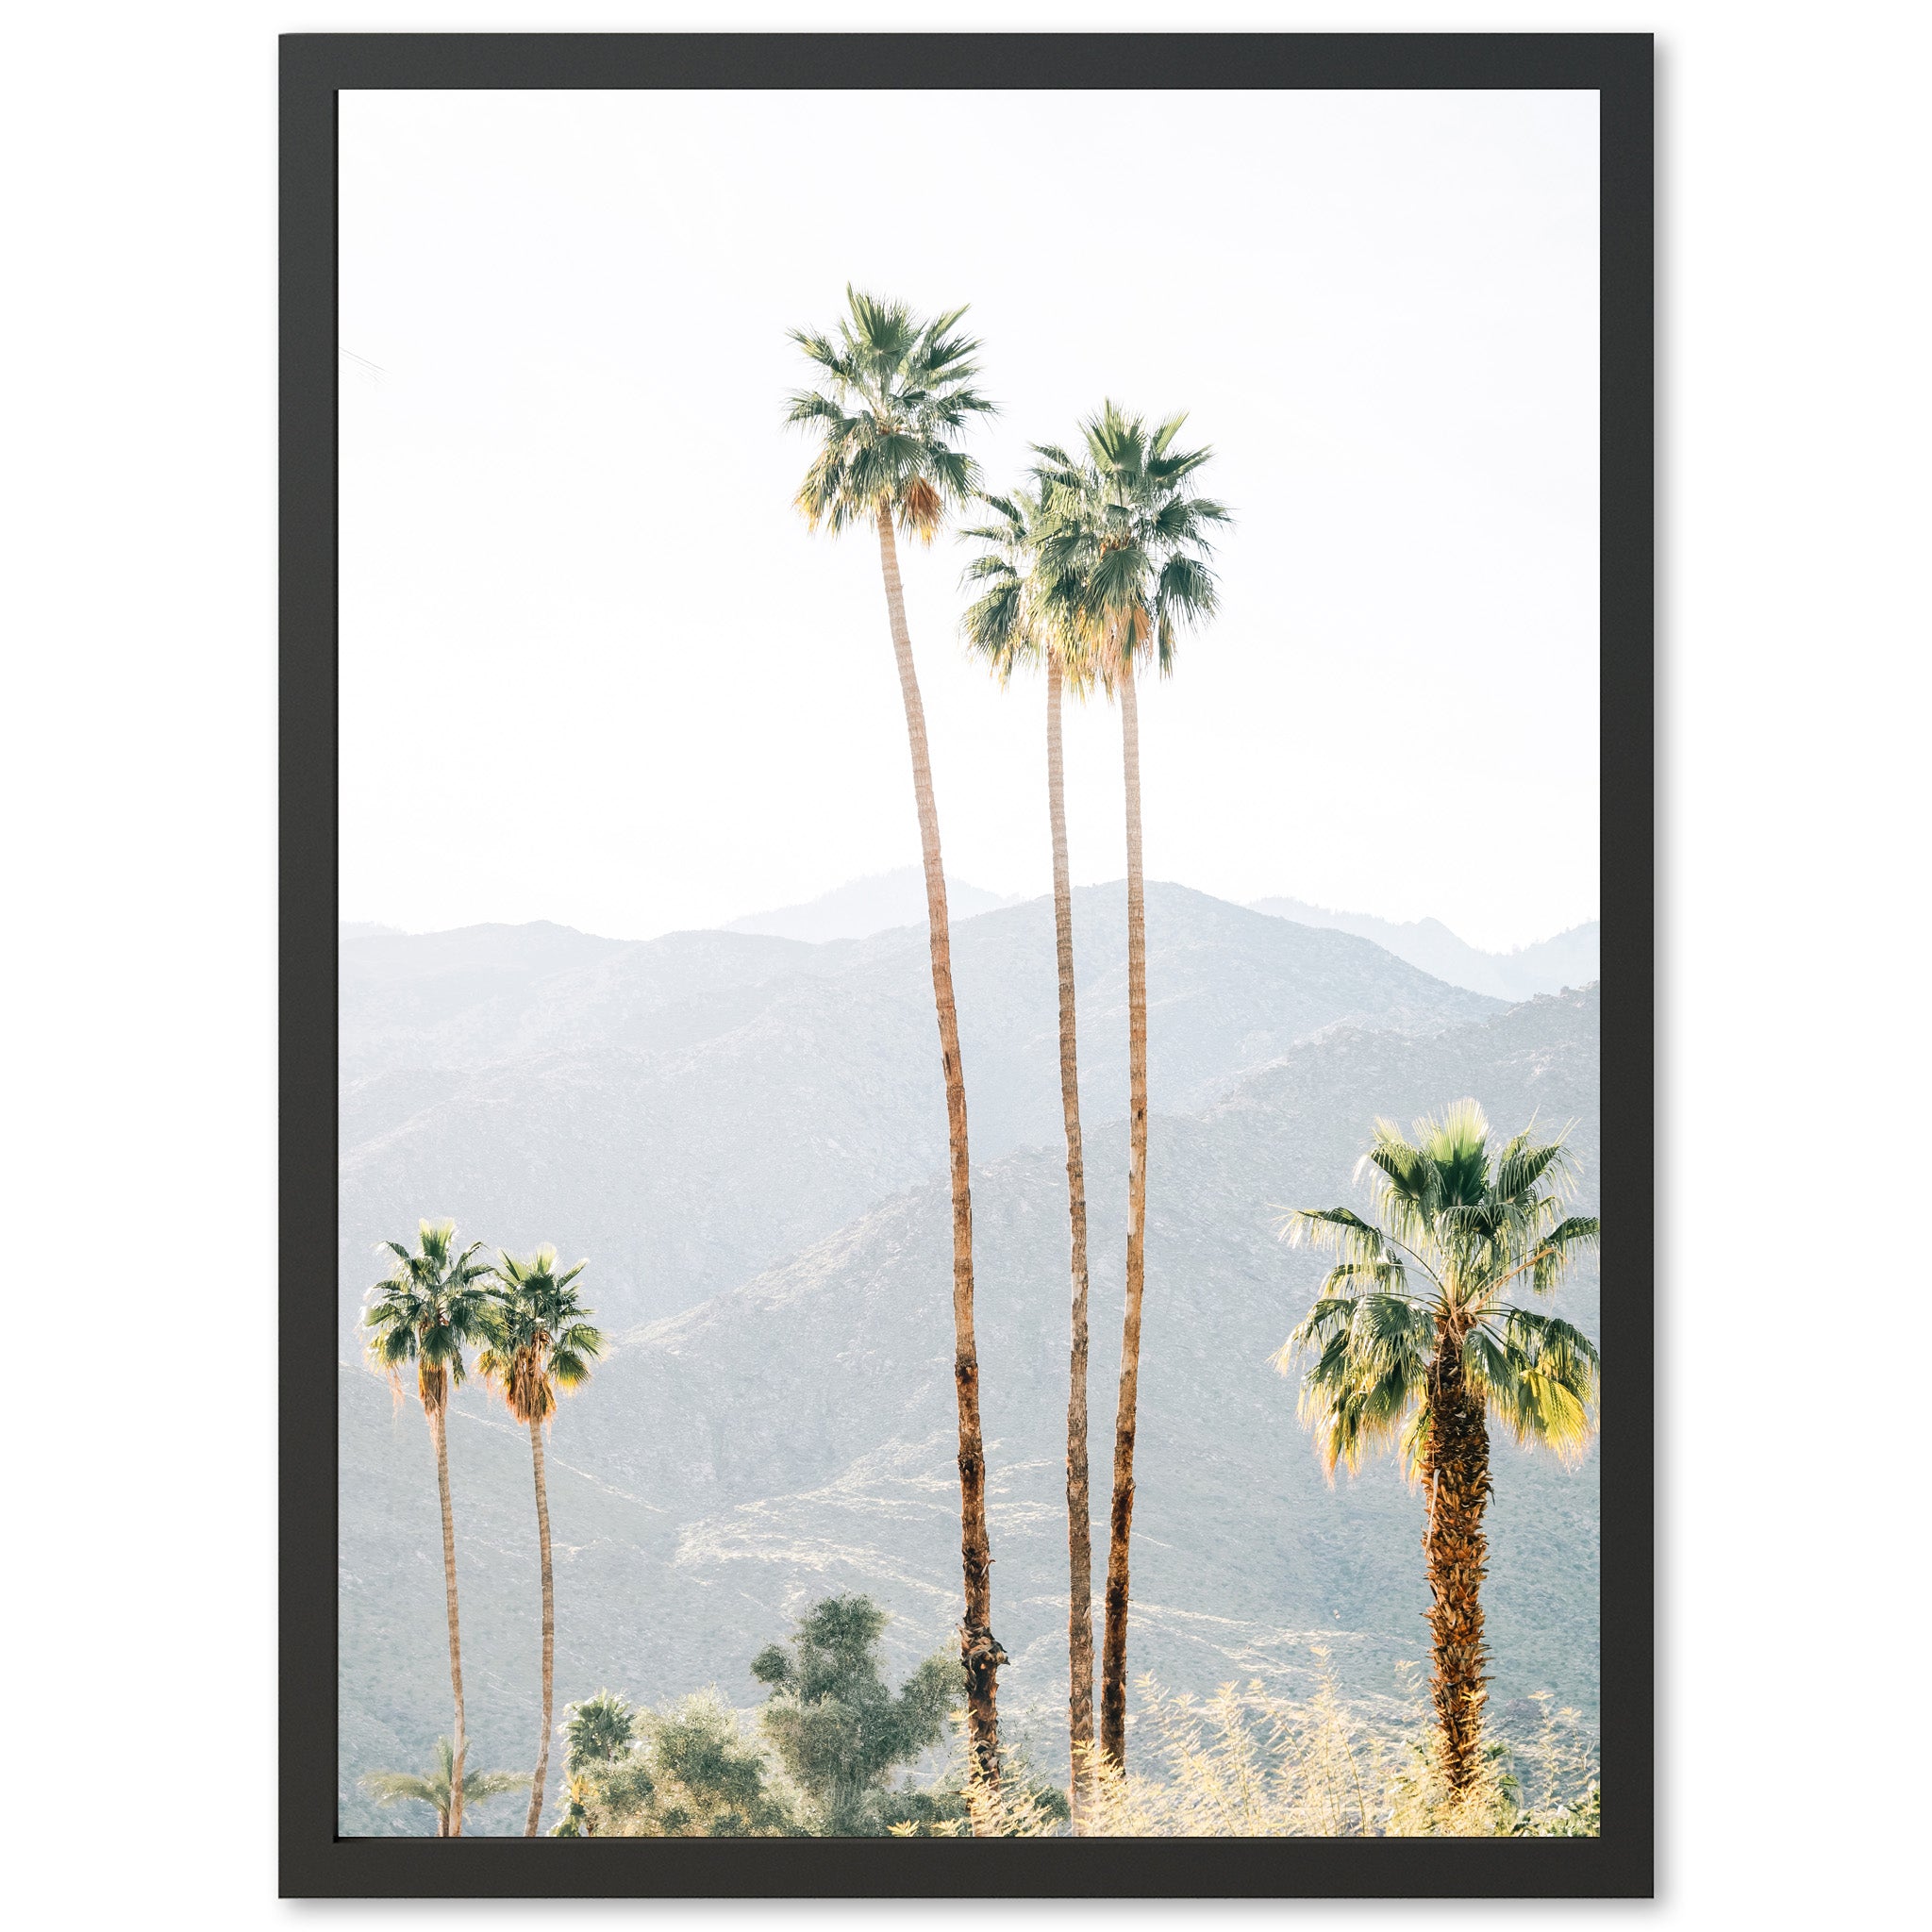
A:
[863,906]
[690,1109]
[793,1435]
[1570,959]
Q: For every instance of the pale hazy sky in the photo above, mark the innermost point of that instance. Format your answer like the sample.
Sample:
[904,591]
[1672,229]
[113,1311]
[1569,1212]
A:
[596,670]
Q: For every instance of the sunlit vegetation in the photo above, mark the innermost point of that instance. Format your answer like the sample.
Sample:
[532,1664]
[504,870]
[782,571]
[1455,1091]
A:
[1243,1763]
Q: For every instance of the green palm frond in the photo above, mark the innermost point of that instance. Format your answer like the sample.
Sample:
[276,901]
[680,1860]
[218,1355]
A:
[1123,535]
[1367,1359]
[433,1788]
[890,396]
[1341,1231]
[478,1785]
[1580,1234]
[1468,1222]
[393,1787]
[429,1309]
[541,1337]
[1540,1377]
[1022,615]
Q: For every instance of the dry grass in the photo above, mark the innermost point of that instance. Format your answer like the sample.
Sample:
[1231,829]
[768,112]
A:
[1245,1764]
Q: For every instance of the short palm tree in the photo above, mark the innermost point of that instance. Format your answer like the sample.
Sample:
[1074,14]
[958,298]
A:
[596,1731]
[890,396]
[1411,1339]
[1124,549]
[540,1341]
[438,1789]
[423,1311]
[1017,621]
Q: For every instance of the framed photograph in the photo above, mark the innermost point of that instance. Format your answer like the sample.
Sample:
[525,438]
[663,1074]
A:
[966,965]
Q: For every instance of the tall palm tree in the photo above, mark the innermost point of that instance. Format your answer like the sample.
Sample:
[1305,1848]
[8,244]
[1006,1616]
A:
[891,395]
[540,1341]
[1125,548]
[425,1311]
[1016,620]
[1410,1339]
[442,1790]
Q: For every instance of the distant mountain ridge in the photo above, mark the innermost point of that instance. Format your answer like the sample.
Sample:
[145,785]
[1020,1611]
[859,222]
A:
[1570,960]
[692,1108]
[860,908]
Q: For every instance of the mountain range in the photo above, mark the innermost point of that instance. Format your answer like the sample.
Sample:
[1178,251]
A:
[745,1135]
[1570,959]
[860,908]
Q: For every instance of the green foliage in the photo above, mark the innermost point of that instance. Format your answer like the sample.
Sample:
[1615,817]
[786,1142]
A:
[1243,1762]
[946,1808]
[685,1771]
[1123,540]
[426,1308]
[1456,1229]
[597,1729]
[890,396]
[836,1729]
[1022,615]
[433,1788]
[539,1334]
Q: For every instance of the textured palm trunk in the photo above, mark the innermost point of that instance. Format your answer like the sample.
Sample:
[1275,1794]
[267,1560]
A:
[534,1814]
[1113,1689]
[1457,1484]
[439,1429]
[1079,1505]
[979,1651]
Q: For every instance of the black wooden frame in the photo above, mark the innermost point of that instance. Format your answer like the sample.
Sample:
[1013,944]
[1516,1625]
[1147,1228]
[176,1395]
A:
[314,1861]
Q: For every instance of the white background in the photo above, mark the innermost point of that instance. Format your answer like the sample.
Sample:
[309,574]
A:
[140,888]
[595,669]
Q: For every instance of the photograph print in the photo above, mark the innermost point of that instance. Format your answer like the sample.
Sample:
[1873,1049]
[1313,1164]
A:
[969,1006]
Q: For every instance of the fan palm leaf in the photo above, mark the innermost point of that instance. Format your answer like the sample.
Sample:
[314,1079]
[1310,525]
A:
[437,1788]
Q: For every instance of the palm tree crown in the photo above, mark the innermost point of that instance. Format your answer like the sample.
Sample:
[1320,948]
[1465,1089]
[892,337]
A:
[1022,615]
[1124,538]
[433,1788]
[426,1308]
[1457,1228]
[539,1338]
[889,402]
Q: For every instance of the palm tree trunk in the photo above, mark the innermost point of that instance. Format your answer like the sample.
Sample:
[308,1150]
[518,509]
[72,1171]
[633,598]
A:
[438,1430]
[979,1649]
[1457,1479]
[1079,1507]
[1113,1690]
[536,1811]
